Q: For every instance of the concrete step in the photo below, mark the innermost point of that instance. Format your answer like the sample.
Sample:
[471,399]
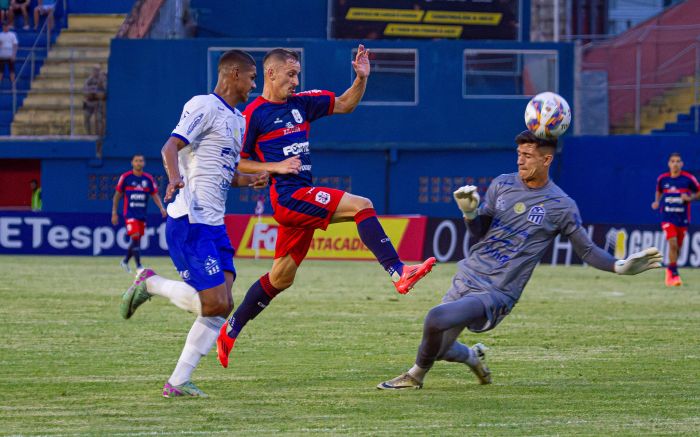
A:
[66,68]
[40,116]
[95,20]
[84,39]
[47,129]
[68,53]
[52,99]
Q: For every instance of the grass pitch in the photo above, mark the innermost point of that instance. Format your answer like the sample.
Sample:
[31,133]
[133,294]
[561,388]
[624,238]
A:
[584,352]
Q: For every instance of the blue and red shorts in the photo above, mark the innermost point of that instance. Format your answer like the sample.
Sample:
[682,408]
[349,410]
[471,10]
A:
[135,228]
[674,231]
[299,214]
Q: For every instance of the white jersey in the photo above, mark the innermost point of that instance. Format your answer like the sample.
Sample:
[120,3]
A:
[213,132]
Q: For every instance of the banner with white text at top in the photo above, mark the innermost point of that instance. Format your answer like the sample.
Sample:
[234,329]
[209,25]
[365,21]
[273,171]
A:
[255,237]
[454,19]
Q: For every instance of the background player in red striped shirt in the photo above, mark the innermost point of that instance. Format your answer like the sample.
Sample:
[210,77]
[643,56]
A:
[675,189]
[136,186]
[277,128]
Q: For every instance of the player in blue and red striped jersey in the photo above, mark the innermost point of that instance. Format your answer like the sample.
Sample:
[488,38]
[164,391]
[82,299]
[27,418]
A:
[136,186]
[277,128]
[675,189]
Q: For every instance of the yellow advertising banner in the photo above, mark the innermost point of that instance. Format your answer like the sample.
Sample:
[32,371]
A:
[340,241]
[379,14]
[468,18]
[423,30]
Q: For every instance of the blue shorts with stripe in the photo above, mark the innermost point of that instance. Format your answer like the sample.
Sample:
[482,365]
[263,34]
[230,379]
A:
[201,253]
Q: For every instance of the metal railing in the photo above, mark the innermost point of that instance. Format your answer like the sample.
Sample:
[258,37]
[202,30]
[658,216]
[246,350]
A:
[30,62]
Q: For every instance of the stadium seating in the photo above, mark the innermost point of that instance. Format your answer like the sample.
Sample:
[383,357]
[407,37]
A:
[58,88]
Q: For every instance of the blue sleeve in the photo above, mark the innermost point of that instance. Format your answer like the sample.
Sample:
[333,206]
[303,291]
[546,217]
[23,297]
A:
[317,103]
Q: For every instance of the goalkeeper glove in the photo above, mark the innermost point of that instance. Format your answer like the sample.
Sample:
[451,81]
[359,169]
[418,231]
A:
[467,200]
[649,258]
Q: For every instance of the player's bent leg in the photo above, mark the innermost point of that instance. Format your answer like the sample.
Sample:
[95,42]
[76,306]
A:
[258,297]
[374,237]
[200,339]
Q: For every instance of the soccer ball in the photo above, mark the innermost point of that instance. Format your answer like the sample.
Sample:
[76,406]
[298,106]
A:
[547,115]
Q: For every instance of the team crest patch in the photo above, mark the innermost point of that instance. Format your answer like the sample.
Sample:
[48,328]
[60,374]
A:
[519,208]
[323,198]
[211,265]
[297,116]
[536,215]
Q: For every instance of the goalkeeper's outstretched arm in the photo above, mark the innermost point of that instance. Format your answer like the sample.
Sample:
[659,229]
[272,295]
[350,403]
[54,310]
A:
[649,258]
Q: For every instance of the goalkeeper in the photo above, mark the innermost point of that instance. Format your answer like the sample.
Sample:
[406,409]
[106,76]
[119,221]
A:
[520,216]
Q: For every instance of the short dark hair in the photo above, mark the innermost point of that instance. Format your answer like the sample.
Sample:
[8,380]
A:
[527,136]
[675,154]
[280,54]
[235,57]
[35,182]
[138,154]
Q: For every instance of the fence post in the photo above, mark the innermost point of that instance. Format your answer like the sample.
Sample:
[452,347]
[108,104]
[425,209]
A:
[72,86]
[637,89]
[696,84]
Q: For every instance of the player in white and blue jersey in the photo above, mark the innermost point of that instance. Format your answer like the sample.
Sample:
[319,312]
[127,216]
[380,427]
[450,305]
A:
[200,157]
[520,216]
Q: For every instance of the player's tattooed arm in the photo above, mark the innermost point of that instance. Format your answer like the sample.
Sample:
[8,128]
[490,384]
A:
[347,102]
[169,153]
[288,166]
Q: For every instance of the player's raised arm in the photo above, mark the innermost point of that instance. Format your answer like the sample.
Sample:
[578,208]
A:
[169,153]
[347,102]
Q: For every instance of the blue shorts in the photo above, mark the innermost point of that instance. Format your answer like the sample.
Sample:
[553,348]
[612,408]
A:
[201,253]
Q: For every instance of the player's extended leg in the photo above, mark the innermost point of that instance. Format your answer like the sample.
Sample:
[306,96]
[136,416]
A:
[258,297]
[441,327]
[216,304]
[372,234]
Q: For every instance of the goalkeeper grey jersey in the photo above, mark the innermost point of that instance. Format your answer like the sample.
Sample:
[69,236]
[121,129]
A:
[525,221]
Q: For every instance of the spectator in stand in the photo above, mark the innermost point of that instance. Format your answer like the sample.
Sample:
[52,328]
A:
[19,6]
[4,10]
[8,51]
[44,7]
[94,97]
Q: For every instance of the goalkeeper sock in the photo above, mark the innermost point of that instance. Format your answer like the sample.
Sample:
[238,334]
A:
[373,236]
[255,301]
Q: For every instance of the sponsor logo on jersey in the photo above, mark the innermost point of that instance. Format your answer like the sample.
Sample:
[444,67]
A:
[211,266]
[519,208]
[323,198]
[536,215]
[296,149]
[297,116]
[500,203]
[195,122]
[278,120]
[289,125]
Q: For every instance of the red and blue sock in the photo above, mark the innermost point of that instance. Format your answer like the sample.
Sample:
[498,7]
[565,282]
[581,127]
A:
[258,297]
[673,268]
[373,236]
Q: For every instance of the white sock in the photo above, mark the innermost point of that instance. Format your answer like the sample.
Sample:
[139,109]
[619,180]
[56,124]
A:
[199,341]
[417,372]
[179,293]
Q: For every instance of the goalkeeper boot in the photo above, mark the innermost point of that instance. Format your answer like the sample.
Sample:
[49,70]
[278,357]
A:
[405,380]
[136,294]
[480,370]
[186,389]
[224,344]
[412,274]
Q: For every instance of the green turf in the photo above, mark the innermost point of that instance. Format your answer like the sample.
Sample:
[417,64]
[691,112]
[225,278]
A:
[585,352]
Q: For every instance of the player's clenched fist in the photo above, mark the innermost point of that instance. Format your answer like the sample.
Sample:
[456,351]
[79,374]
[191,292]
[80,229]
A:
[467,200]
[173,186]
